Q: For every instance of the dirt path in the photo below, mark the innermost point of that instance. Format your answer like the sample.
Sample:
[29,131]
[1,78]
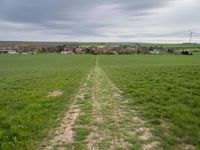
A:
[114,124]
[64,133]
[100,118]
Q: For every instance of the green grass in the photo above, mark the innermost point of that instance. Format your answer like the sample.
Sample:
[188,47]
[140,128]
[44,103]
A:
[179,46]
[26,112]
[81,134]
[166,90]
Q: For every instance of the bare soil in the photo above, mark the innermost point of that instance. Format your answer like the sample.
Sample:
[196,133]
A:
[55,93]
[64,133]
[113,122]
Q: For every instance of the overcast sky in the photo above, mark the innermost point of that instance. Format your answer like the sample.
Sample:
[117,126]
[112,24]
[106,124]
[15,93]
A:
[165,21]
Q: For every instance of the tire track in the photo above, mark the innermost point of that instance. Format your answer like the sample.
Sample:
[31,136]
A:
[115,125]
[64,133]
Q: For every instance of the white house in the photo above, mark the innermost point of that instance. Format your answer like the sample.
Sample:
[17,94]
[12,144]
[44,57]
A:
[155,52]
[8,52]
[67,52]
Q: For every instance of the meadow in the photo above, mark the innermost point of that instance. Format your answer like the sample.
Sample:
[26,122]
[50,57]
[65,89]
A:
[162,92]
[165,90]
[26,111]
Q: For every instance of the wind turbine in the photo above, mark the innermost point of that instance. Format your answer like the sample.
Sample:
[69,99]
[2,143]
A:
[190,34]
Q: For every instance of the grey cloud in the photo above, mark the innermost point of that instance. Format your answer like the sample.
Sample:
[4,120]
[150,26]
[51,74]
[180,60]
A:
[37,11]
[97,18]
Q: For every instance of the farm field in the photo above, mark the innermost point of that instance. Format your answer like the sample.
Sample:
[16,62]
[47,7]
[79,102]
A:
[163,89]
[99,102]
[28,108]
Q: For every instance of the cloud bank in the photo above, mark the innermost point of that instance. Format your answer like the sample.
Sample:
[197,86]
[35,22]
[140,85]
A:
[98,20]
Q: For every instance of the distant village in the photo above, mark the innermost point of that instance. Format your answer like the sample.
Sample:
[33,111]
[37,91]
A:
[9,51]
[95,50]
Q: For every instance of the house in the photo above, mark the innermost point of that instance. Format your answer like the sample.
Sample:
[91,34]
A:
[112,53]
[79,50]
[155,52]
[177,52]
[67,52]
[8,52]
[183,52]
[141,50]
[24,53]
[33,51]
[3,52]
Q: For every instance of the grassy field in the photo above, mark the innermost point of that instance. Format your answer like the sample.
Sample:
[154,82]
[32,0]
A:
[26,111]
[165,89]
[176,46]
[105,102]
